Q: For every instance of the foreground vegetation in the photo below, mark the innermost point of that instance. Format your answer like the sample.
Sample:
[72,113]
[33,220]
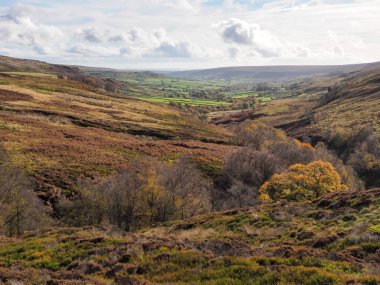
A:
[332,240]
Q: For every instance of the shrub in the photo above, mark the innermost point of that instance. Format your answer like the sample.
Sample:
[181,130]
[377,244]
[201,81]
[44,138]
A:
[302,182]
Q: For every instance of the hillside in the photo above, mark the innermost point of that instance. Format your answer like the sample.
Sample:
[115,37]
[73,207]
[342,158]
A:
[317,105]
[10,64]
[265,73]
[59,130]
[352,102]
[27,67]
[331,240]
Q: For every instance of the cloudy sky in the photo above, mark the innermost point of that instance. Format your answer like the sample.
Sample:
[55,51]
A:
[187,34]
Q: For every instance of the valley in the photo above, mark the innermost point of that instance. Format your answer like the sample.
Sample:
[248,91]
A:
[125,177]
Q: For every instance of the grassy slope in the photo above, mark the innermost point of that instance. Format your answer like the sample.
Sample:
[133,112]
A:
[10,64]
[58,130]
[332,240]
[15,66]
[353,102]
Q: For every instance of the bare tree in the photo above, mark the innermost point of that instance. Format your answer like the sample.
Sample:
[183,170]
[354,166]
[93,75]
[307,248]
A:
[289,153]
[141,196]
[20,210]
[242,175]
[251,167]
[186,190]
[258,136]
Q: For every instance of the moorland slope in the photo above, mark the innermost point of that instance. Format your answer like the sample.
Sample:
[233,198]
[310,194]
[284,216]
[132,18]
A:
[58,130]
[331,240]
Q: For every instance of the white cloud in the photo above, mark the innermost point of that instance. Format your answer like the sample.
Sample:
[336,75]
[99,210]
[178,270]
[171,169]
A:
[262,42]
[338,50]
[236,31]
[92,51]
[174,49]
[180,33]
[18,29]
[176,4]
[233,52]
[91,35]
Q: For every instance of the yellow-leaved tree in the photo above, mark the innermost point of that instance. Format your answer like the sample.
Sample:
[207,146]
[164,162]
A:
[302,182]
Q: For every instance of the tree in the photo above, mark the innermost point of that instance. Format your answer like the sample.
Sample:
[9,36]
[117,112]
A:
[118,201]
[259,136]
[20,210]
[302,182]
[251,167]
[360,149]
[292,152]
[185,190]
[346,172]
[242,174]
[141,196]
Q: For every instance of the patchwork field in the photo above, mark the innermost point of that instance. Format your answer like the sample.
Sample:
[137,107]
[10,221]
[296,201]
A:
[192,92]
[192,102]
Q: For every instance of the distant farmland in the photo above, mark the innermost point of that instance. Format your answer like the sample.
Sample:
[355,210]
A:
[193,102]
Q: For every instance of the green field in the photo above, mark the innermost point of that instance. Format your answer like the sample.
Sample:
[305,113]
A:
[192,102]
[241,94]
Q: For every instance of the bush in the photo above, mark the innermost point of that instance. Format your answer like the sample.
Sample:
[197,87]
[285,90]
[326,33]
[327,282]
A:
[302,182]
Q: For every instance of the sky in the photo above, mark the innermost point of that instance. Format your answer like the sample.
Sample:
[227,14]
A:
[191,34]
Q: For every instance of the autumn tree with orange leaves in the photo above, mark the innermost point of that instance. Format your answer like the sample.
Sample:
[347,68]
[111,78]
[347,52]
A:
[302,182]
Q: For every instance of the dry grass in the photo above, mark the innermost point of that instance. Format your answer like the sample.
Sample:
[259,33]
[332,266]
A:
[68,130]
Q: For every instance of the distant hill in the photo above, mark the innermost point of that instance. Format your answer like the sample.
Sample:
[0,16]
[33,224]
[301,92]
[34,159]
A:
[266,73]
[10,64]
